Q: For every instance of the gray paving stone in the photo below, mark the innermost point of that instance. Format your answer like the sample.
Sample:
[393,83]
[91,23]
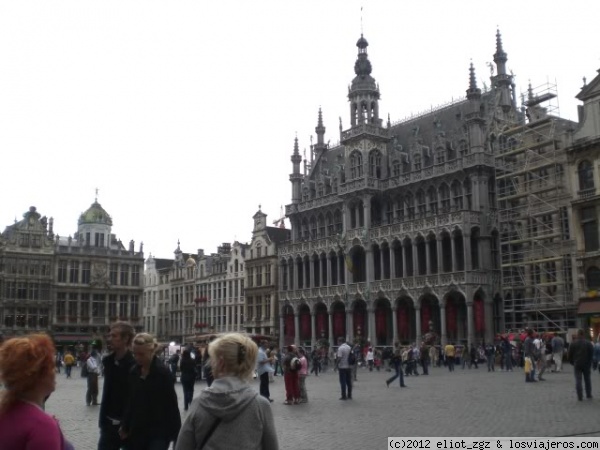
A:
[464,403]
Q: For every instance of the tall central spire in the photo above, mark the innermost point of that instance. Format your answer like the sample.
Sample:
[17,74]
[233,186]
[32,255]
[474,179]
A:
[363,92]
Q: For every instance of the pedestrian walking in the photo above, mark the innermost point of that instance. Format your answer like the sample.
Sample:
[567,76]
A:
[449,353]
[115,390]
[230,414]
[152,419]
[187,367]
[291,366]
[396,360]
[93,372]
[490,356]
[344,369]
[302,374]
[264,369]
[580,355]
[558,350]
[69,363]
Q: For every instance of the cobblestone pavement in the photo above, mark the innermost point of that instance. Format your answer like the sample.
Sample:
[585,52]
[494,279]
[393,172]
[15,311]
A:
[463,403]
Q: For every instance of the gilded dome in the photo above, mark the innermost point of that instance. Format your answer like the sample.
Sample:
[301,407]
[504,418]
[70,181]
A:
[190,261]
[95,214]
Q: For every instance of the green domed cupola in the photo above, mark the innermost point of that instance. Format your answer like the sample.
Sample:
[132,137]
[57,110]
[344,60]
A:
[95,214]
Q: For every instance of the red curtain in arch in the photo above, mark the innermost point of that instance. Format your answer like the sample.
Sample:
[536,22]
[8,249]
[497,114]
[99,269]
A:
[425,317]
[339,329]
[451,311]
[321,325]
[305,331]
[402,322]
[290,331]
[380,323]
[479,315]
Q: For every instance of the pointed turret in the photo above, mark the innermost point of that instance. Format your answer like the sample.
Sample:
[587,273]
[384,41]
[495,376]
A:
[503,82]
[473,93]
[363,94]
[474,121]
[296,176]
[500,56]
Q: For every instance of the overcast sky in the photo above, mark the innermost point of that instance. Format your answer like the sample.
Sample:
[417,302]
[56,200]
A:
[183,113]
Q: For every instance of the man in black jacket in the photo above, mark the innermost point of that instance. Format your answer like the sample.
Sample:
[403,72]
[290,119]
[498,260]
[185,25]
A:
[115,391]
[581,353]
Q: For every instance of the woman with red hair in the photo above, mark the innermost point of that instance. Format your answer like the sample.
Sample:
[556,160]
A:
[27,370]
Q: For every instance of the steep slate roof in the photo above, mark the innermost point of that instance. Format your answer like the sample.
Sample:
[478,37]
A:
[162,263]
[278,235]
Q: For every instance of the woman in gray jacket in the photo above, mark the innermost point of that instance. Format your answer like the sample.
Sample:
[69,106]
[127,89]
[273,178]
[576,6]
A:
[230,413]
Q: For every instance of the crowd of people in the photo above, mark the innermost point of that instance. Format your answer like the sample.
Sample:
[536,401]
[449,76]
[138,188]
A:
[139,408]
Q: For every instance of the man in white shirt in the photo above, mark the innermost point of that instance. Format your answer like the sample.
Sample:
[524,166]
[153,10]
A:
[344,369]
[91,396]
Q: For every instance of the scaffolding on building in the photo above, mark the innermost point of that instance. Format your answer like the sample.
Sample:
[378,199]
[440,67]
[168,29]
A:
[533,199]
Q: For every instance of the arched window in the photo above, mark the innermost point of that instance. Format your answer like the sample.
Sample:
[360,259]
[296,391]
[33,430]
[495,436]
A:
[396,168]
[337,221]
[421,203]
[417,161]
[440,155]
[329,220]
[585,171]
[457,198]
[463,148]
[375,164]
[592,278]
[445,197]
[410,206]
[356,169]
[432,198]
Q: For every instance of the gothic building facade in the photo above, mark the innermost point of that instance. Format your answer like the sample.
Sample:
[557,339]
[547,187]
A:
[396,232]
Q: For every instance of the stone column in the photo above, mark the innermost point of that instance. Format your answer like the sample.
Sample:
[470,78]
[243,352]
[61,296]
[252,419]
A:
[453,246]
[296,329]
[418,322]
[415,257]
[427,258]
[404,274]
[295,277]
[470,334]
[440,254]
[382,262]
[331,337]
[394,325]
[369,264]
[488,308]
[349,326]
[328,262]
[392,262]
[371,321]
[444,337]
[467,247]
[281,330]
[313,264]
[313,325]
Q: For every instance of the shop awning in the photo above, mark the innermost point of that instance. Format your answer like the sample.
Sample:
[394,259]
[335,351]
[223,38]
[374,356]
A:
[588,307]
